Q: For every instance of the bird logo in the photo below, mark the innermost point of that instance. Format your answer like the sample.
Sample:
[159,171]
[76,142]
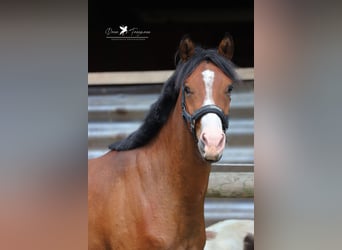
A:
[123,30]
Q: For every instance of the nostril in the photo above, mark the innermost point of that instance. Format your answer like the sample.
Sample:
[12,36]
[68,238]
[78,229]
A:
[221,142]
[215,140]
[204,138]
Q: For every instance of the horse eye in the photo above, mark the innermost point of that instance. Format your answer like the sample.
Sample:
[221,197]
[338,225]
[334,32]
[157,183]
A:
[229,90]
[187,90]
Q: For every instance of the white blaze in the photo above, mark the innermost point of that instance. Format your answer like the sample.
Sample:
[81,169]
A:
[211,137]
[208,78]
[209,121]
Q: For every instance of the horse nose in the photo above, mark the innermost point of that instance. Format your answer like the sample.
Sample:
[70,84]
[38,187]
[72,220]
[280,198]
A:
[213,140]
[214,143]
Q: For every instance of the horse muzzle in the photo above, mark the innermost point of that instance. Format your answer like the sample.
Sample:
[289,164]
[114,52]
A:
[211,145]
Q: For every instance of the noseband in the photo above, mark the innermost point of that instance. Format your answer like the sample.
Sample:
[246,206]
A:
[192,119]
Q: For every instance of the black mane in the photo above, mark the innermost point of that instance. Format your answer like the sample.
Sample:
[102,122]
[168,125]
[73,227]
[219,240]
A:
[161,109]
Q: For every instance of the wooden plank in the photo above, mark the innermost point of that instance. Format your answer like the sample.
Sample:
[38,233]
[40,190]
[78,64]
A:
[232,167]
[218,209]
[132,77]
[146,77]
[238,184]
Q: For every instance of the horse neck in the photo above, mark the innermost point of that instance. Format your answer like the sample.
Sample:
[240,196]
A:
[186,171]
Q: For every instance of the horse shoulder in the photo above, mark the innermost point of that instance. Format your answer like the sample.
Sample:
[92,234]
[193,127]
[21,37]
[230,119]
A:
[103,199]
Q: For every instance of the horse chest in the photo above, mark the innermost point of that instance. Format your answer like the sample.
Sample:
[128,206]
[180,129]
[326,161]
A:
[157,224]
[171,231]
[162,234]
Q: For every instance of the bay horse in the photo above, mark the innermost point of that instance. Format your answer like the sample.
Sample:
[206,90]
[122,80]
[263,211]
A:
[148,191]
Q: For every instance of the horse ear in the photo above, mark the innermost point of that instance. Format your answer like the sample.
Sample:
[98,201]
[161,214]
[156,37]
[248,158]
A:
[186,48]
[226,47]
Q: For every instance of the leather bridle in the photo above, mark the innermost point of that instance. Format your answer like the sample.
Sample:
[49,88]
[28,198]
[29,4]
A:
[211,108]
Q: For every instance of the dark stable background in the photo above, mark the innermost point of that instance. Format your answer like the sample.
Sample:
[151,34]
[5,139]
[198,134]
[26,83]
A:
[206,26]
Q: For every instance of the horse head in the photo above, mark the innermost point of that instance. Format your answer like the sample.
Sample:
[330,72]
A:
[206,95]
